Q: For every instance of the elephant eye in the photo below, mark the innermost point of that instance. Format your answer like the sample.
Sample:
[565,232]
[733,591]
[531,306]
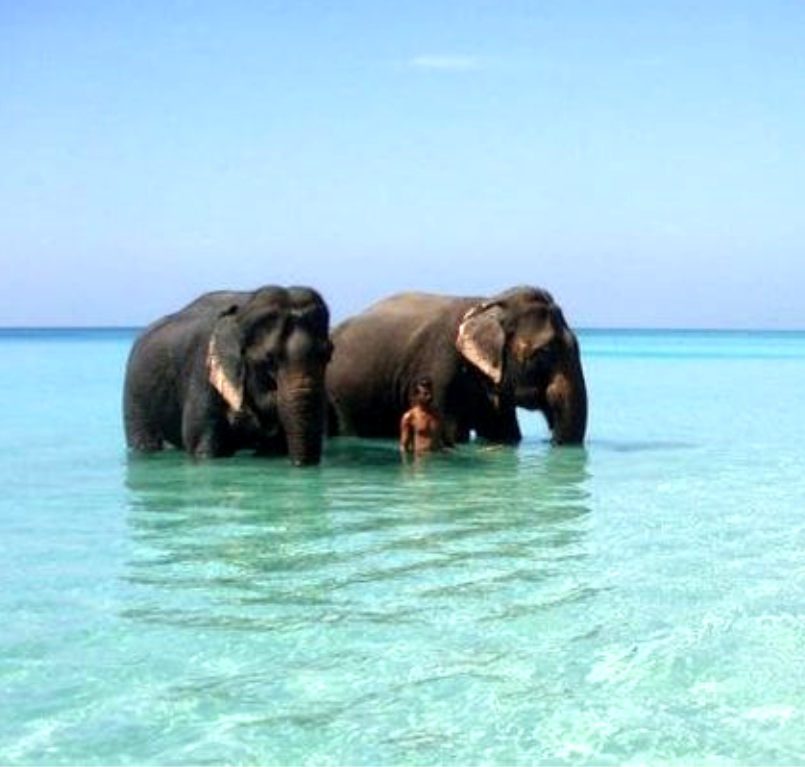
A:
[264,373]
[545,354]
[264,363]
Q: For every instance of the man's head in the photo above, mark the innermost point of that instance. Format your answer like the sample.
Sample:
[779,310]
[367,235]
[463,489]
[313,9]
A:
[423,391]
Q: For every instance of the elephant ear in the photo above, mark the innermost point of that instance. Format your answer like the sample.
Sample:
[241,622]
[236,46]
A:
[481,339]
[225,360]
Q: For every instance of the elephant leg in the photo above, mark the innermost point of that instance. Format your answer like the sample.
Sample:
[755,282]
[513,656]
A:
[140,433]
[205,434]
[339,419]
[455,433]
[500,426]
[145,441]
[332,423]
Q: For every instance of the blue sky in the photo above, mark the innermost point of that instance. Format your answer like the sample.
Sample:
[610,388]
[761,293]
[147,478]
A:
[643,161]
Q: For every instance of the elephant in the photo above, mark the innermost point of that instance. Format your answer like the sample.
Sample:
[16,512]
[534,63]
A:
[485,357]
[232,371]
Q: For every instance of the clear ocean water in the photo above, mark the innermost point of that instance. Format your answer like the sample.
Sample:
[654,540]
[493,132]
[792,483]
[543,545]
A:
[641,600]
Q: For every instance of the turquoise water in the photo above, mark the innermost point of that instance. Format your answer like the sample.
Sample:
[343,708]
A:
[638,601]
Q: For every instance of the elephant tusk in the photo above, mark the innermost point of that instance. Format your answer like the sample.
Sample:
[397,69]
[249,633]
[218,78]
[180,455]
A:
[232,395]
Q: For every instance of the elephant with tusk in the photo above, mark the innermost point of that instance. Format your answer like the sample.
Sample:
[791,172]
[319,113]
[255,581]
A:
[485,356]
[231,371]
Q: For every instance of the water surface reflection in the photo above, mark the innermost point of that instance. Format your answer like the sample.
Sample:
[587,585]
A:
[366,600]
[364,537]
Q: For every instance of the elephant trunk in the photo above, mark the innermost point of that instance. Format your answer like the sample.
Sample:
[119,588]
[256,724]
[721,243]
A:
[566,397]
[301,410]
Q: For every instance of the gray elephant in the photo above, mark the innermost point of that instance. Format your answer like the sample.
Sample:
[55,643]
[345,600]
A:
[485,357]
[232,371]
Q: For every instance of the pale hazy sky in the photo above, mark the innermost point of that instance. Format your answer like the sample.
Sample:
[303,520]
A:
[643,161]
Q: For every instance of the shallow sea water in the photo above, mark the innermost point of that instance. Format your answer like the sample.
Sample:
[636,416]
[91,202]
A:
[641,600]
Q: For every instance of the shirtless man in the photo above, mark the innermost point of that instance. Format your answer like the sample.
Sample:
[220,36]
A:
[421,428]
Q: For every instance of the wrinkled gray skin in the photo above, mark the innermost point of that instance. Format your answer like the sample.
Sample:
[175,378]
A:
[486,357]
[233,371]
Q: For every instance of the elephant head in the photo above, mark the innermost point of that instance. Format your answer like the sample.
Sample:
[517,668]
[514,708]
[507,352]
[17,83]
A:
[521,343]
[267,358]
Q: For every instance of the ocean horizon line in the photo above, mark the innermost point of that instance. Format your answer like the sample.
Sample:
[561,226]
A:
[578,329]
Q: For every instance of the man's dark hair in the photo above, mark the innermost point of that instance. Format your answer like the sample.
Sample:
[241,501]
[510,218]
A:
[420,384]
